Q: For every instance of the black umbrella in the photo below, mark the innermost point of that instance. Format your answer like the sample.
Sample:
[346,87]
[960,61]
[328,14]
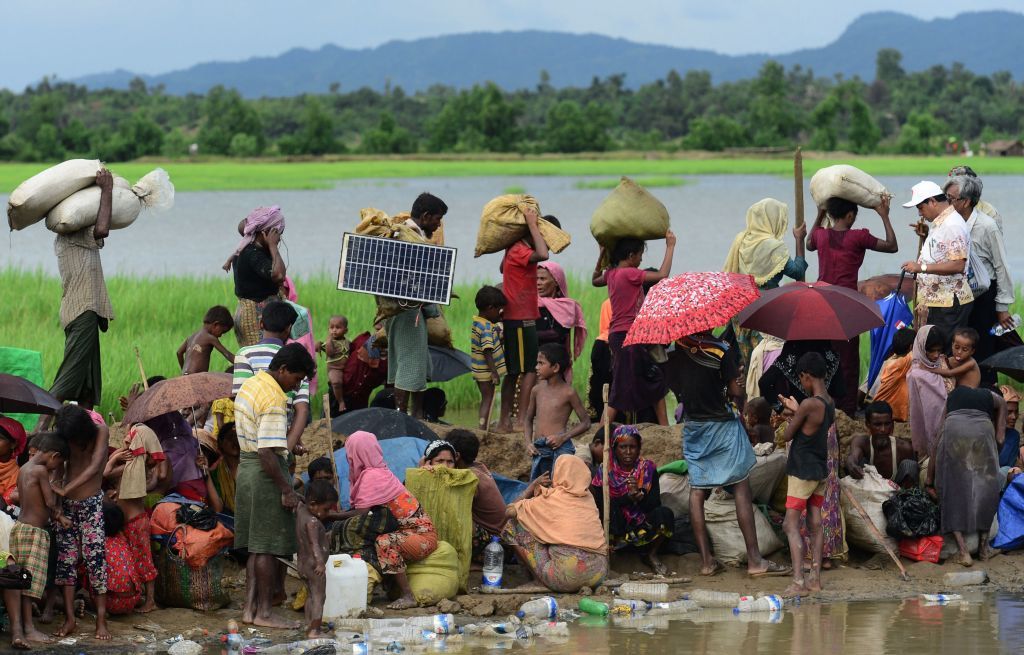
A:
[447,363]
[1009,361]
[385,423]
[18,395]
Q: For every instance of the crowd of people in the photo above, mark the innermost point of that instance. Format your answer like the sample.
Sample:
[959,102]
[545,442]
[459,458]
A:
[86,507]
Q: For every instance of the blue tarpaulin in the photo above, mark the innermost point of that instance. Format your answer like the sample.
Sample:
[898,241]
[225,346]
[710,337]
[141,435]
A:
[897,316]
[400,453]
[1011,517]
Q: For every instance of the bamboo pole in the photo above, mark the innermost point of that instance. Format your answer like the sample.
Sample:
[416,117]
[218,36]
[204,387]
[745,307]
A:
[798,185]
[605,489]
[878,535]
[142,372]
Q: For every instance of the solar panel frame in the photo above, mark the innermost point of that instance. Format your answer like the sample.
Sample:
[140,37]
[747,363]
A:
[396,269]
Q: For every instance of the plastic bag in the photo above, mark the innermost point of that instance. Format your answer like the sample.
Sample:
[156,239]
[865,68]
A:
[502,223]
[911,513]
[629,211]
[446,495]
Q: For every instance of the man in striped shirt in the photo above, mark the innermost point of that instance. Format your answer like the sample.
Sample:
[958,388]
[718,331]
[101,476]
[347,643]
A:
[264,497]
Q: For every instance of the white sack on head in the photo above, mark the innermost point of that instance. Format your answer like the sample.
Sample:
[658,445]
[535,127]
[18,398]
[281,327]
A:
[79,211]
[36,196]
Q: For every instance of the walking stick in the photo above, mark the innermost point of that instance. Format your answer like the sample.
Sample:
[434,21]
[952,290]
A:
[878,535]
[605,490]
[798,185]
[330,440]
[142,372]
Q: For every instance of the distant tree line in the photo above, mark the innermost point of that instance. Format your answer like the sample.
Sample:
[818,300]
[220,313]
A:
[897,112]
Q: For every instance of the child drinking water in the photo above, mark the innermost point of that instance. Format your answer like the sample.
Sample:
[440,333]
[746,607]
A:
[486,352]
[311,539]
[194,353]
[337,349]
[552,402]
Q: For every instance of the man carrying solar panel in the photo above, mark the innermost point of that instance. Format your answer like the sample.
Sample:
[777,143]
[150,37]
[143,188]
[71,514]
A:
[408,357]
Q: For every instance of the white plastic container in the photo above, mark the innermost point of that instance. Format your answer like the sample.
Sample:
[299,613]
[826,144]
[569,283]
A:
[346,587]
[655,592]
[769,603]
[964,578]
[544,608]
[706,598]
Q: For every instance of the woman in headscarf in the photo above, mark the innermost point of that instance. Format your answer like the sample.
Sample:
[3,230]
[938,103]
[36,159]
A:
[638,518]
[966,466]
[398,530]
[556,532]
[927,390]
[12,442]
[561,317]
[259,269]
[759,251]
[439,453]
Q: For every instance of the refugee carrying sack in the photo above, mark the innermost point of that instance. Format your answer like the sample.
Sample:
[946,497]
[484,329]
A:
[629,212]
[79,210]
[446,495]
[36,196]
[911,513]
[502,223]
[727,539]
[849,183]
[189,587]
[376,223]
[871,492]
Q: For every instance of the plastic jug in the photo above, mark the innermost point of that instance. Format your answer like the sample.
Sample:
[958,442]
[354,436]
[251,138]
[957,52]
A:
[346,587]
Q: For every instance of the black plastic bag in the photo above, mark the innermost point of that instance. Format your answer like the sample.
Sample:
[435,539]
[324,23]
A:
[682,540]
[199,517]
[911,513]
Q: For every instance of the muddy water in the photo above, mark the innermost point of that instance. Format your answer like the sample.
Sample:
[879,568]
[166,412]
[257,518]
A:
[197,235]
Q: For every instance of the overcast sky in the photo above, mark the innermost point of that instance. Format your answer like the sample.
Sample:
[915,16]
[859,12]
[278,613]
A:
[75,37]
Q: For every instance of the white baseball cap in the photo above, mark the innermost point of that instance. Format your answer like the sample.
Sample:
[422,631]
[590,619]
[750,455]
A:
[922,191]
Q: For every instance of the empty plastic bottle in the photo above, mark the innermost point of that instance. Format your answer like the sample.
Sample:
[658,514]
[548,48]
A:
[673,607]
[442,624]
[965,578]
[550,629]
[706,598]
[769,603]
[998,329]
[652,591]
[593,607]
[494,563]
[545,607]
[630,607]
[942,598]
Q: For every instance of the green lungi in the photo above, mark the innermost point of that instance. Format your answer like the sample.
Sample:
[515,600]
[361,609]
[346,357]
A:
[79,377]
[262,525]
[408,356]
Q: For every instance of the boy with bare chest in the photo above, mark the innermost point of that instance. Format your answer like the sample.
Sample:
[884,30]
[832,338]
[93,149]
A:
[552,402]
[194,353]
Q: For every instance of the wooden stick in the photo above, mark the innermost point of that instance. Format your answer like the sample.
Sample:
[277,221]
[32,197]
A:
[330,440]
[798,185]
[874,531]
[605,489]
[142,372]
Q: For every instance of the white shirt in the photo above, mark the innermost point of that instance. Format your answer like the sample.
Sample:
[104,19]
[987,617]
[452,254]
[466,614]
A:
[987,242]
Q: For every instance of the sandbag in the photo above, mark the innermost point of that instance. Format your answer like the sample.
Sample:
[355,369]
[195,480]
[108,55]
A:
[765,476]
[629,212]
[502,223]
[726,538]
[446,496]
[36,196]
[437,576]
[79,210]
[870,491]
[376,223]
[675,493]
[849,183]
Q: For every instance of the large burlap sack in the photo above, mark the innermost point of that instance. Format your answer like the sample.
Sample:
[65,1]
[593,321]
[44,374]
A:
[446,495]
[870,491]
[438,332]
[849,183]
[765,476]
[79,210]
[726,538]
[437,577]
[36,196]
[502,223]
[376,223]
[629,212]
[675,493]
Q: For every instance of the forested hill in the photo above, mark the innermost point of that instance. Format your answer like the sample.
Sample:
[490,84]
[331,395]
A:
[985,42]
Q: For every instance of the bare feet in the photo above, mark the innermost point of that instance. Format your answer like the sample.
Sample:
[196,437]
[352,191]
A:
[503,427]
[314,633]
[147,607]
[403,603]
[813,582]
[656,564]
[247,615]
[986,552]
[963,558]
[101,629]
[274,622]
[19,643]
[794,590]
[715,568]
[68,627]
[34,635]
[768,569]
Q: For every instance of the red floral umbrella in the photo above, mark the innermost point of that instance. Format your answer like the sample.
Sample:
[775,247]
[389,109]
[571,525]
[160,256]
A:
[690,303]
[802,311]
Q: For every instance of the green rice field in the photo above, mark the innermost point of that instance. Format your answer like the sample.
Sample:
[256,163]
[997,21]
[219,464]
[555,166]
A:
[320,174]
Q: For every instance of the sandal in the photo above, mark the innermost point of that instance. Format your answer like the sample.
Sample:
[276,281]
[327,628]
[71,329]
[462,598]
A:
[772,570]
[717,568]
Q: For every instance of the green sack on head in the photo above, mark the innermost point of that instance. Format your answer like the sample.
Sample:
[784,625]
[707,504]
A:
[446,495]
[629,212]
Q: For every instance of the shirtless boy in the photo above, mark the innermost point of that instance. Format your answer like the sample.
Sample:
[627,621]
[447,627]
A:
[83,539]
[337,350]
[311,539]
[30,542]
[552,401]
[893,458]
[962,365]
[194,353]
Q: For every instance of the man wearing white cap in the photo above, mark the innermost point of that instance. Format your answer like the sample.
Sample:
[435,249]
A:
[942,286]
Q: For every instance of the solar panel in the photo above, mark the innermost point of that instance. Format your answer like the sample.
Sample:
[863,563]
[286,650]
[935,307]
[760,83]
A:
[386,267]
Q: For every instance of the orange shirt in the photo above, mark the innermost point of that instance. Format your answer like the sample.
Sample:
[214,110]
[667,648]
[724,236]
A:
[892,385]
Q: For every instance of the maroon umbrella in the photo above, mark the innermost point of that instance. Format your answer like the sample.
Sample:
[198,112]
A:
[18,395]
[178,393]
[803,311]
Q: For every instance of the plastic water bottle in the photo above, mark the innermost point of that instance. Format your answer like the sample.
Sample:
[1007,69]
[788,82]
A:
[998,329]
[673,607]
[942,598]
[706,598]
[593,607]
[769,603]
[652,591]
[965,578]
[545,608]
[550,629]
[494,563]
[630,607]
[441,624]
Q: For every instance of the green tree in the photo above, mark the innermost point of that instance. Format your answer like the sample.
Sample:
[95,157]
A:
[47,143]
[226,114]
[478,119]
[388,138]
[772,116]
[715,133]
[244,145]
[571,128]
[318,129]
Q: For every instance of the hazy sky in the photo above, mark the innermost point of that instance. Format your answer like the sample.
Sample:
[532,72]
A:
[71,37]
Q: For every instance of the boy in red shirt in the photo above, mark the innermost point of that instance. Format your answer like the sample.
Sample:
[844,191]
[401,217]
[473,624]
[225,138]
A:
[519,283]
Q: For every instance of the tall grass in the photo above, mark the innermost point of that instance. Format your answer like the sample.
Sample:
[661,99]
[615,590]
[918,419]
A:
[157,314]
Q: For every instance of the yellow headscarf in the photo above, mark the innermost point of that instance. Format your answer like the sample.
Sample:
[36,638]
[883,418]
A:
[759,250]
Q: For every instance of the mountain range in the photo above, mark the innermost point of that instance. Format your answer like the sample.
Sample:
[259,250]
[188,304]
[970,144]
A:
[984,42]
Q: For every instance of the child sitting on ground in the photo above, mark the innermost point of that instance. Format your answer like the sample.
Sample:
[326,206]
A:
[311,538]
[337,349]
[124,582]
[807,469]
[757,419]
[892,380]
[194,353]
[552,402]
[486,352]
[29,540]
[962,366]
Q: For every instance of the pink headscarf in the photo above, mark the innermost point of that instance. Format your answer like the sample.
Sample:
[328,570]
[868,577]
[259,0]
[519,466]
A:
[566,311]
[258,220]
[371,483]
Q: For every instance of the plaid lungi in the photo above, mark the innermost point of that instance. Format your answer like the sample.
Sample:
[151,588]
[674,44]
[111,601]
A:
[30,547]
